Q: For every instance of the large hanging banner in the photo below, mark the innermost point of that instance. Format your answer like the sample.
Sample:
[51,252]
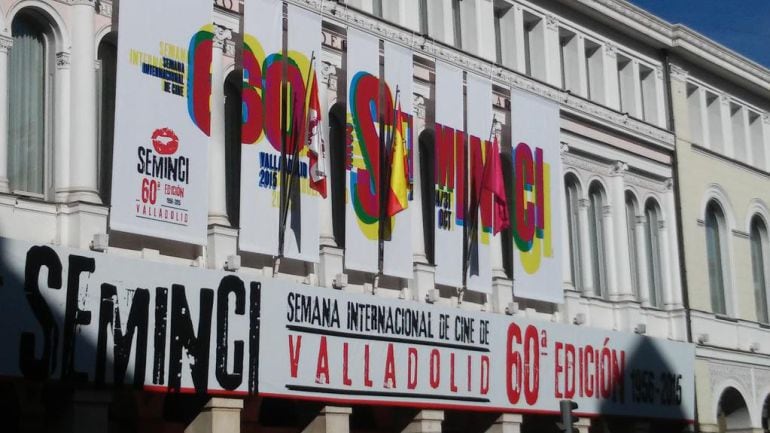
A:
[273,128]
[83,318]
[163,119]
[450,176]
[363,172]
[537,237]
[341,348]
[480,149]
[399,72]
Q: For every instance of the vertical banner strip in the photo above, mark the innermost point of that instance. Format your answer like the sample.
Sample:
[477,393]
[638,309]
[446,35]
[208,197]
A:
[160,164]
[399,72]
[450,174]
[479,126]
[304,42]
[537,242]
[362,182]
[261,131]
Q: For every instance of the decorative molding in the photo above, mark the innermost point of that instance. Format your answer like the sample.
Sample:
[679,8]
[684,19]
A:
[418,104]
[661,225]
[740,234]
[62,60]
[766,118]
[104,9]
[221,36]
[610,50]
[607,210]
[577,106]
[724,99]
[6,43]
[329,75]
[584,203]
[618,168]
[669,184]
[640,219]
[552,22]
[723,373]
[644,183]
[659,72]
[678,73]
[92,3]
[564,148]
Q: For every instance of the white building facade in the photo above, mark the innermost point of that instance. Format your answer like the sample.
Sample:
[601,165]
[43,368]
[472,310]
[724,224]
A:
[640,180]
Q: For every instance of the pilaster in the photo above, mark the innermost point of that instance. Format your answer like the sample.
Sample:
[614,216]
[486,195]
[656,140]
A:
[641,260]
[219,415]
[62,112]
[585,248]
[610,258]
[6,42]
[552,51]
[611,96]
[82,158]
[426,421]
[216,152]
[620,224]
[331,419]
[673,243]
[727,126]
[507,423]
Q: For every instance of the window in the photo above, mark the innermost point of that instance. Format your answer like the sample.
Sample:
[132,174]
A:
[632,247]
[457,24]
[714,113]
[759,249]
[572,195]
[715,238]
[570,63]
[695,113]
[424,16]
[108,59]
[757,141]
[534,46]
[652,246]
[649,85]
[505,34]
[739,132]
[596,232]
[627,86]
[27,94]
[594,59]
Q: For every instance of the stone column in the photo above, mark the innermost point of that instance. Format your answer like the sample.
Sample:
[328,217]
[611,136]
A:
[637,83]
[331,419]
[665,265]
[90,412]
[728,145]
[507,423]
[62,113]
[766,134]
[641,260]
[585,248]
[6,42]
[582,66]
[83,161]
[216,154]
[610,258]
[520,42]
[219,415]
[620,225]
[426,421]
[673,242]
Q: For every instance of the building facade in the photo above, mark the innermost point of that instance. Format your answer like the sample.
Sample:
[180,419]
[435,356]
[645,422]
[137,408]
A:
[663,139]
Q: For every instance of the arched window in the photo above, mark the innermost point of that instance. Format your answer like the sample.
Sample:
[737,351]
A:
[108,60]
[652,246]
[715,248]
[596,232]
[27,99]
[632,247]
[572,195]
[759,245]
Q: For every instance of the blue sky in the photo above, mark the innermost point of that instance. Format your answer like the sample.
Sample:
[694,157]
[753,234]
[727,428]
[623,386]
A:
[742,25]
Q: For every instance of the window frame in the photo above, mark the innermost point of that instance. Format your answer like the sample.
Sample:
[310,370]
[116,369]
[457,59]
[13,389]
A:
[715,210]
[761,294]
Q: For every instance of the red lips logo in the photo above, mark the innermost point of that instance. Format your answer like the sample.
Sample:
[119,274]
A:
[165,141]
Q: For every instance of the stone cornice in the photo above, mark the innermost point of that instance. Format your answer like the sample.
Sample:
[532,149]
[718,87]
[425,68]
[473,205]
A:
[577,106]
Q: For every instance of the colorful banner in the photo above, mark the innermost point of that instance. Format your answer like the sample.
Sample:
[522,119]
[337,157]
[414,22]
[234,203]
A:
[163,120]
[479,117]
[273,128]
[348,349]
[450,178]
[399,72]
[363,172]
[537,237]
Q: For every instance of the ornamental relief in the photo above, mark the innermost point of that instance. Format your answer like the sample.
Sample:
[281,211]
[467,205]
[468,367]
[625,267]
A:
[722,373]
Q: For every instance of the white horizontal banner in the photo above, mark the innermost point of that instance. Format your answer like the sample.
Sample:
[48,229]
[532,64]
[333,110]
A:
[83,317]
[330,346]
